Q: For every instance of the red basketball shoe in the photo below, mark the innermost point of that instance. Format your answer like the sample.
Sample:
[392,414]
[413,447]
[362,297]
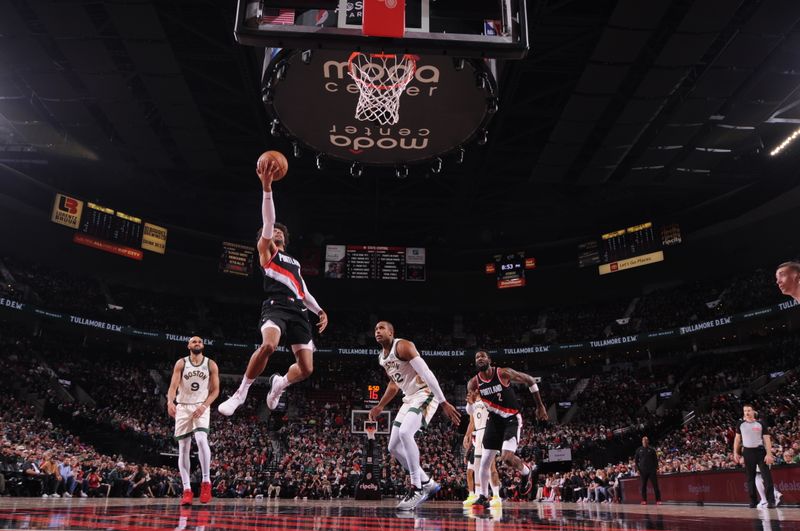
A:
[205,492]
[187,497]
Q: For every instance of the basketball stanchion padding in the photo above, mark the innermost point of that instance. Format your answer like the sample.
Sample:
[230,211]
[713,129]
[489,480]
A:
[368,487]
[381,79]
[384,18]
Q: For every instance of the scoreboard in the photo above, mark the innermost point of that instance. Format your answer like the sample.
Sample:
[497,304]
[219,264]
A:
[375,262]
[112,226]
[373,395]
[237,259]
[510,269]
[628,248]
[626,243]
[107,229]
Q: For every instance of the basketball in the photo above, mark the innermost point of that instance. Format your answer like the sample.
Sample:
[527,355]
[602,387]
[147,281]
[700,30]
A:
[279,159]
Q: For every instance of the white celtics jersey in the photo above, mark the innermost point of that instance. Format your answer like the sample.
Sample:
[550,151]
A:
[479,415]
[193,388]
[401,372]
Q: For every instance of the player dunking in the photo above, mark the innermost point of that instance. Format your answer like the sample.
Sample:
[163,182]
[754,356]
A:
[473,441]
[504,425]
[407,371]
[284,313]
[787,277]
[195,379]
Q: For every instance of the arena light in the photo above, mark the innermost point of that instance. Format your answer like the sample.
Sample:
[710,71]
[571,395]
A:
[783,145]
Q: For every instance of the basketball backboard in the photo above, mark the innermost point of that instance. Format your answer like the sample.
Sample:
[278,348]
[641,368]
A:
[360,417]
[456,28]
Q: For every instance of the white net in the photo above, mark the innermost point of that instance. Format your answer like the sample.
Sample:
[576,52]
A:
[370,428]
[381,80]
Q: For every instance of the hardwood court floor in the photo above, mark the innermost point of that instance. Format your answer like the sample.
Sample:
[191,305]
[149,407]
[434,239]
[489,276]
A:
[349,515]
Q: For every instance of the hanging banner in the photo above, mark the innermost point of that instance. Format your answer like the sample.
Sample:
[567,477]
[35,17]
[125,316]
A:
[67,211]
[17,306]
[154,238]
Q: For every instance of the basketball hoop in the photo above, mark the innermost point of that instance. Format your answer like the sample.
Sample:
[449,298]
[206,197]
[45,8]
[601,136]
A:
[381,80]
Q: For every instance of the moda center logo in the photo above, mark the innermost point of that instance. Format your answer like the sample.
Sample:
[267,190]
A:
[67,211]
[358,138]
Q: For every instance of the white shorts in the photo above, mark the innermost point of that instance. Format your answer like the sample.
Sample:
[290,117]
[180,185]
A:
[185,425]
[420,403]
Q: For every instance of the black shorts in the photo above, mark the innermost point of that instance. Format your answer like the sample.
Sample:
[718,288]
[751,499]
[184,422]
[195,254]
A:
[291,318]
[500,429]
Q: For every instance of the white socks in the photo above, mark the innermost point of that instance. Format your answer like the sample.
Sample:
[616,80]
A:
[280,383]
[245,386]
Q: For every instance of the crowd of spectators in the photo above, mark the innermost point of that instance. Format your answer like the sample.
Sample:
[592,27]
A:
[305,457]
[308,451]
[55,289]
[706,442]
[671,307]
[664,308]
[39,458]
[620,395]
[591,321]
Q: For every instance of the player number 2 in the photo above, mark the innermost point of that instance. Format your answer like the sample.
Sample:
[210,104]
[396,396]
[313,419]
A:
[398,378]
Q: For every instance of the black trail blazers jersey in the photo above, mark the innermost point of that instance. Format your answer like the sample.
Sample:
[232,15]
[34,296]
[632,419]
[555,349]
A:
[499,397]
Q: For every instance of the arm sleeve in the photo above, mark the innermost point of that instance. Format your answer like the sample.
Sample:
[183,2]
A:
[268,215]
[309,300]
[425,373]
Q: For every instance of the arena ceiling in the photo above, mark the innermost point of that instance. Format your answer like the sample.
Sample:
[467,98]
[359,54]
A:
[624,111]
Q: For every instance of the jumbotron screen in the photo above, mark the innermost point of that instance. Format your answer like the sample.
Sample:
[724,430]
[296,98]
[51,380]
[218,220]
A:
[237,259]
[374,262]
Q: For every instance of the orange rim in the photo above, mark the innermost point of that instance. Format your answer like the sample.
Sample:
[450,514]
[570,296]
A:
[412,67]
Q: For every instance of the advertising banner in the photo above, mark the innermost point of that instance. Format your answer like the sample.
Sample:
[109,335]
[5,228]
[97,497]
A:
[727,486]
[67,211]
[9,304]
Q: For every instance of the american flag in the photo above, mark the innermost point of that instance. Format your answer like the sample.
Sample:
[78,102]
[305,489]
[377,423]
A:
[277,16]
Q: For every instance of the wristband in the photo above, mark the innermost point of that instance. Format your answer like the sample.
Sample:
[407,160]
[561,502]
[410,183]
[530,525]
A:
[534,388]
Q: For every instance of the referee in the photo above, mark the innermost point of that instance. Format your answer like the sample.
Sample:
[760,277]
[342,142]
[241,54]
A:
[754,436]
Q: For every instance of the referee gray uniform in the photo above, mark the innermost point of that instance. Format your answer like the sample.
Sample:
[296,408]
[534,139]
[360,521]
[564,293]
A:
[754,453]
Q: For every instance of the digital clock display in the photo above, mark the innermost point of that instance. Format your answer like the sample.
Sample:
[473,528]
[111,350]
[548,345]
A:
[373,393]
